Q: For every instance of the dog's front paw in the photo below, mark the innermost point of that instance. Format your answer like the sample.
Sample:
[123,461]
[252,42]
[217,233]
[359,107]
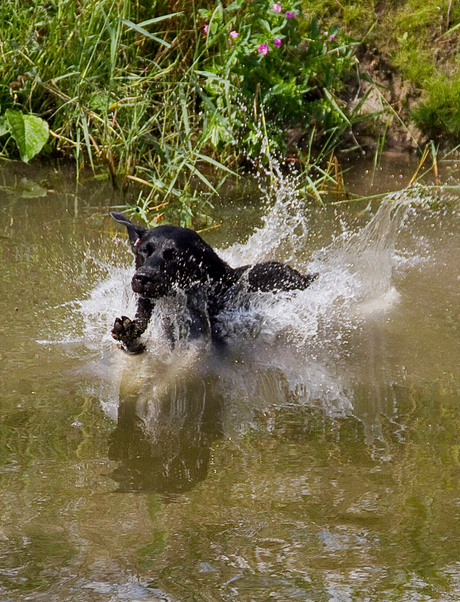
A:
[125,330]
[128,331]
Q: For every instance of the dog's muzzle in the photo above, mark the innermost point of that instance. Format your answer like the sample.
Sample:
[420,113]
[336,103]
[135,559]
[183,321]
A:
[149,284]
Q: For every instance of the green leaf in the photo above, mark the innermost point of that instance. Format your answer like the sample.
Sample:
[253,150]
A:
[314,29]
[5,127]
[215,163]
[157,19]
[265,25]
[144,32]
[31,133]
[336,106]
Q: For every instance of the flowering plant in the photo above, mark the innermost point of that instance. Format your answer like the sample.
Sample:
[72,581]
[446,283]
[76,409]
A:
[265,57]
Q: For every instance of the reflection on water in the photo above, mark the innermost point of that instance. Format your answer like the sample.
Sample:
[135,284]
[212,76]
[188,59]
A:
[316,459]
[163,439]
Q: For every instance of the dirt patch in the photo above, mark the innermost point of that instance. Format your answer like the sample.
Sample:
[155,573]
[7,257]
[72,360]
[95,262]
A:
[387,92]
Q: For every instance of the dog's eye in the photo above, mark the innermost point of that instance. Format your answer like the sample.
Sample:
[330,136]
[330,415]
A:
[169,254]
[150,248]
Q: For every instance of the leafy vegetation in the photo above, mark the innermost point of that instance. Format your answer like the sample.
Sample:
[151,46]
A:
[268,69]
[30,133]
[172,98]
[147,92]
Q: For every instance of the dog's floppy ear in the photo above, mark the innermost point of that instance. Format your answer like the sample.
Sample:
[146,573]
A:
[134,232]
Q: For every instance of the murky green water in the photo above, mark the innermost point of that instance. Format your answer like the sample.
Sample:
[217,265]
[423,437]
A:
[318,460]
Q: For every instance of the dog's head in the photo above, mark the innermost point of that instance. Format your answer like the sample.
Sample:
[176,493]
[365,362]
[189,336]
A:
[170,258]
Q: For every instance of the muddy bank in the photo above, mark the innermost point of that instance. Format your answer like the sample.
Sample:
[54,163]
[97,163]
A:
[388,93]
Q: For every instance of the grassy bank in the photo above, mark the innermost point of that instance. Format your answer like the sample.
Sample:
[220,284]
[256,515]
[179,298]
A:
[173,97]
[420,41]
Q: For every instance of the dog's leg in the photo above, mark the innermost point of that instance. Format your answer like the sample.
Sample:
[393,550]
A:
[199,322]
[128,331]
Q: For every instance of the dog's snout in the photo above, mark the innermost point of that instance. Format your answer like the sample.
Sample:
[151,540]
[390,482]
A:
[140,278]
[149,283]
[142,281]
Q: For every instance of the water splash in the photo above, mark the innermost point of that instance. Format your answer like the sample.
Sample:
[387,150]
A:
[356,270]
[370,253]
[282,348]
[285,223]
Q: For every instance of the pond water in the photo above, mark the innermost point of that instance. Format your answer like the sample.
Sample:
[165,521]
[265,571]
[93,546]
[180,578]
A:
[318,459]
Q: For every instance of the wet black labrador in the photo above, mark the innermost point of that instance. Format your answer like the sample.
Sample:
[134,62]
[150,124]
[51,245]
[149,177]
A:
[170,260]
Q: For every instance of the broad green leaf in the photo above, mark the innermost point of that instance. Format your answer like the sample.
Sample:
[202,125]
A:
[5,127]
[30,132]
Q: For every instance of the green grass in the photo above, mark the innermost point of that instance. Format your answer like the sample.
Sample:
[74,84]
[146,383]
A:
[137,90]
[112,80]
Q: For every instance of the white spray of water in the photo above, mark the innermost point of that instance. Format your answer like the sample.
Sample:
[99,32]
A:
[355,270]
[285,224]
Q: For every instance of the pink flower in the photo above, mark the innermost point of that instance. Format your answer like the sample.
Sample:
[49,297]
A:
[290,15]
[206,28]
[277,7]
[263,49]
[234,34]
[277,42]
[331,38]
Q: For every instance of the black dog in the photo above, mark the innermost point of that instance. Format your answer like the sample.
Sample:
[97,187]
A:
[170,259]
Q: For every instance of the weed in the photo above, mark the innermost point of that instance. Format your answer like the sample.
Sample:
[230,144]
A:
[439,112]
[263,59]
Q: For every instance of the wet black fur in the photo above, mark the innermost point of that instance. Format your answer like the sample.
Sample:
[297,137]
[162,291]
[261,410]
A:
[171,259]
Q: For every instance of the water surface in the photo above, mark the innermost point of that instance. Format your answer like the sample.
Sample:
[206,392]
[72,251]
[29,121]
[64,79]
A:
[317,459]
